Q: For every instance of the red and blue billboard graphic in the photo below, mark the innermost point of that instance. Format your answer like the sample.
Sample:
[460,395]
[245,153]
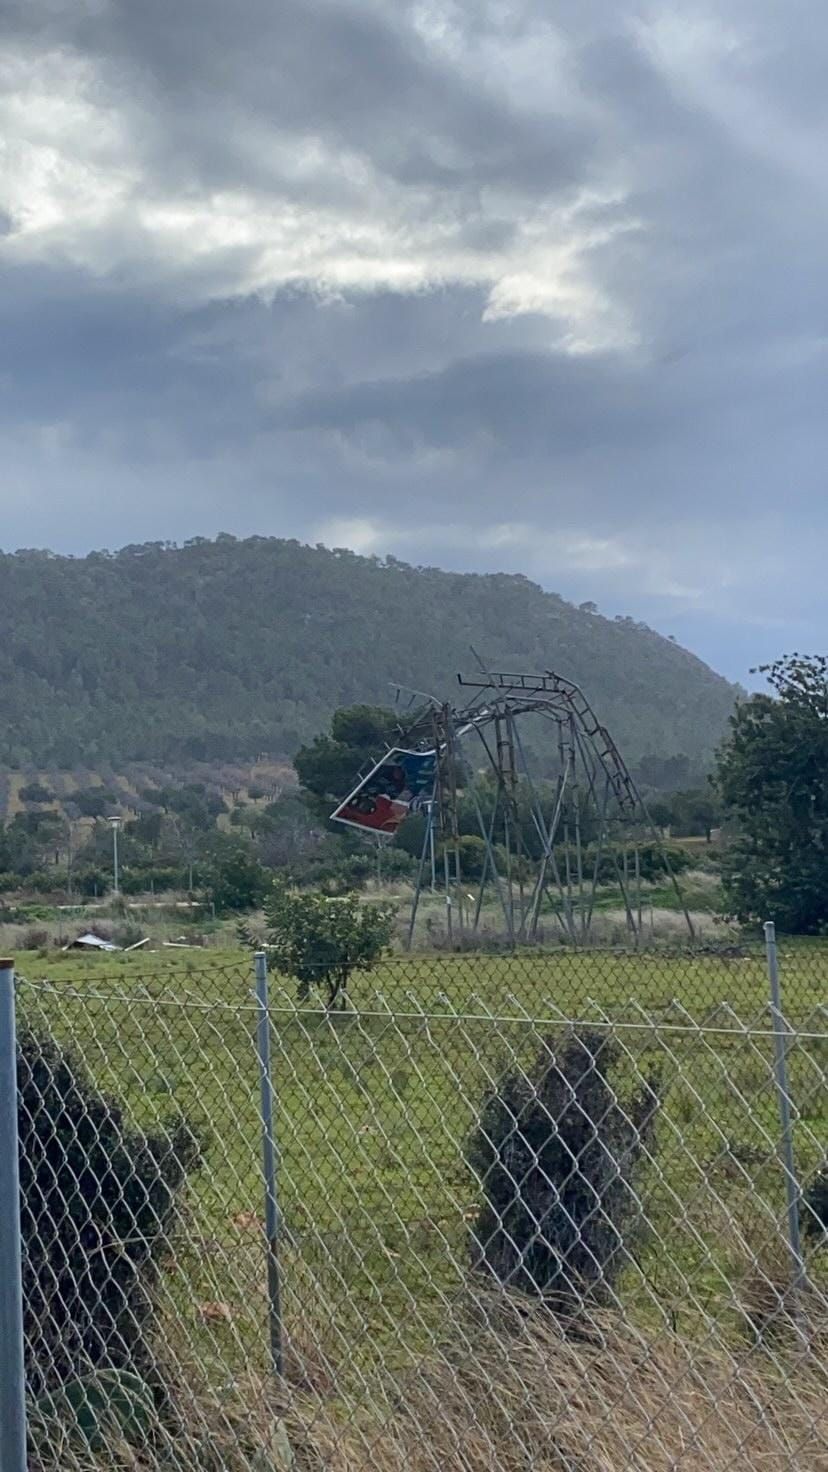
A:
[398,785]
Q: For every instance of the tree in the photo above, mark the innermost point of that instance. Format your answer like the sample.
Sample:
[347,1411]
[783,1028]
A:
[665,774]
[472,852]
[147,829]
[30,840]
[661,812]
[696,813]
[772,774]
[322,942]
[287,834]
[360,734]
[209,679]
[36,792]
[234,878]
[94,802]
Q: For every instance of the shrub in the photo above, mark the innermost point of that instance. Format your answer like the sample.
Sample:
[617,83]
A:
[97,1204]
[34,938]
[95,802]
[235,880]
[41,882]
[91,882]
[651,864]
[36,792]
[557,1155]
[815,1207]
[322,941]
[160,877]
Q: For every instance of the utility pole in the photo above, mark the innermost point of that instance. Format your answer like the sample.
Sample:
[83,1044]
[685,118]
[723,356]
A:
[115,823]
[69,860]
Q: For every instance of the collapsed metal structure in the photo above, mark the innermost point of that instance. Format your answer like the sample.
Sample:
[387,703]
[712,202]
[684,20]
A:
[593,791]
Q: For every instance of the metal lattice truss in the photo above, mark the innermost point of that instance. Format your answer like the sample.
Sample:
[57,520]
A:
[594,818]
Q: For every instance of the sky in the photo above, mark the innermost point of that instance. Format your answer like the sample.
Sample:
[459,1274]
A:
[527,285]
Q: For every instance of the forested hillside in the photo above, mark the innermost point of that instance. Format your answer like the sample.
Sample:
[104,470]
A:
[222,650]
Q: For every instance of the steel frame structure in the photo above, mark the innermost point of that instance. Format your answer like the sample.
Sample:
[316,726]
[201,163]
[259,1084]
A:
[593,780]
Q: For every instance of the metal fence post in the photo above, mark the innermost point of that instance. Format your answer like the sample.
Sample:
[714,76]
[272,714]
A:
[269,1165]
[781,1034]
[12,1368]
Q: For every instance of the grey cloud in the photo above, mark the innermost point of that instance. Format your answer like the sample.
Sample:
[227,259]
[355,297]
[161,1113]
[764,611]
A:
[126,414]
[216,78]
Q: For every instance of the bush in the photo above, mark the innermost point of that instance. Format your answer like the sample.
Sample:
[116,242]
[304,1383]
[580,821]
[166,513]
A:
[36,792]
[43,882]
[557,1156]
[322,941]
[158,877]
[97,1204]
[814,1212]
[338,874]
[650,862]
[34,938]
[91,882]
[95,802]
[235,880]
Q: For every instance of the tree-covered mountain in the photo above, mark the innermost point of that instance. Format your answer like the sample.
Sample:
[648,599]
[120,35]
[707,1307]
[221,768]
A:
[226,649]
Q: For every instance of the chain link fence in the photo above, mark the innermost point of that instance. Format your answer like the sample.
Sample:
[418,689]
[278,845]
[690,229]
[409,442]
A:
[559,1211]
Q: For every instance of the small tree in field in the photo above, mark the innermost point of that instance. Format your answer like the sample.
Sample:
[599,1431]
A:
[236,881]
[322,941]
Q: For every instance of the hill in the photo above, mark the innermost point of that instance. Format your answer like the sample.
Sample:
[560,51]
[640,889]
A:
[226,649]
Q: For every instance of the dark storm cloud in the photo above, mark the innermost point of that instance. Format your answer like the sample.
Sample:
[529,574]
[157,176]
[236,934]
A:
[218,78]
[495,285]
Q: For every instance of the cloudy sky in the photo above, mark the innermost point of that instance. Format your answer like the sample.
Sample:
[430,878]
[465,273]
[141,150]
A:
[535,285]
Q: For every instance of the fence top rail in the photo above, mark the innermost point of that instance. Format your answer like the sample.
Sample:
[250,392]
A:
[674,1017]
[179,957]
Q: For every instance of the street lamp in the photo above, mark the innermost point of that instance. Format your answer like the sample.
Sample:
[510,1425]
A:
[70,835]
[115,823]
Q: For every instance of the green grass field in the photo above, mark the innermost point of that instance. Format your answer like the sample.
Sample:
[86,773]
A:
[374,1106]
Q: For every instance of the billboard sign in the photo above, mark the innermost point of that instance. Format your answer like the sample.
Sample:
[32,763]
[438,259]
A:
[398,785]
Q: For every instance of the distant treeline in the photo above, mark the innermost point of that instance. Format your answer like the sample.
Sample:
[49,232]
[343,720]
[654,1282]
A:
[222,650]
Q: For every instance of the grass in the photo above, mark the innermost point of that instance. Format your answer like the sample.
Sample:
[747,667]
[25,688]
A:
[373,1109]
[507,1392]
[661,909]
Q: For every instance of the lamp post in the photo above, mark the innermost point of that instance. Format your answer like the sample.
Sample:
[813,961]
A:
[69,858]
[115,823]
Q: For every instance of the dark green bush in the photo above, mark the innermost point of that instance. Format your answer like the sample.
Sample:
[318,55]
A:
[814,1211]
[36,792]
[98,1202]
[558,1156]
[157,877]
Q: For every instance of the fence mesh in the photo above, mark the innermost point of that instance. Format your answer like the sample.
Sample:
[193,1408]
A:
[532,1213]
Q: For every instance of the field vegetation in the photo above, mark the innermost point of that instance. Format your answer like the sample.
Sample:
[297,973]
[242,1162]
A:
[388,1079]
[375,1104]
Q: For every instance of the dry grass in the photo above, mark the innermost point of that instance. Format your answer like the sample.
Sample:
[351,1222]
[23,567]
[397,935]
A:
[772,1310]
[511,1392]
